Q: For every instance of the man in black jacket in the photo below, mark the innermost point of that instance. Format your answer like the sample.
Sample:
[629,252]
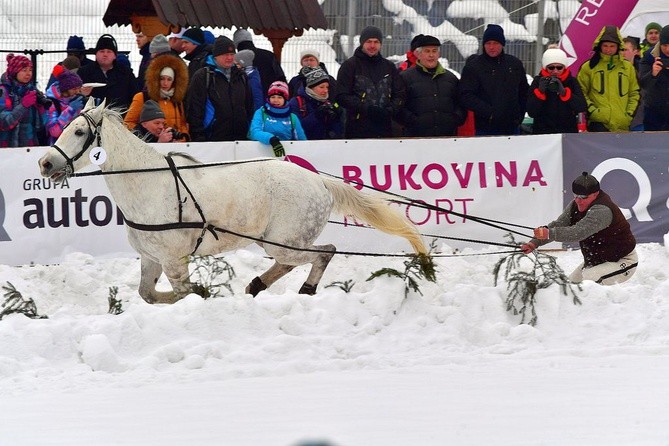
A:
[220,103]
[192,43]
[494,86]
[120,84]
[370,88]
[598,224]
[264,60]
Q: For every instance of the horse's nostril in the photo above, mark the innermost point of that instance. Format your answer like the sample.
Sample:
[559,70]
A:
[47,165]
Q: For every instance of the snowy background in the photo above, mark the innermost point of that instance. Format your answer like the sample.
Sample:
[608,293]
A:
[366,368]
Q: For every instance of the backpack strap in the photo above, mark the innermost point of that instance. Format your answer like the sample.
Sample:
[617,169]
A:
[302,105]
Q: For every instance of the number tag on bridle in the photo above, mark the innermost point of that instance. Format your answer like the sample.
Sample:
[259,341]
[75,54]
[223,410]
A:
[97,155]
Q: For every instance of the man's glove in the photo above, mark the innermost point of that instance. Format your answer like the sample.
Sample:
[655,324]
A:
[560,88]
[541,233]
[77,103]
[29,99]
[528,247]
[277,146]
[543,84]
[377,115]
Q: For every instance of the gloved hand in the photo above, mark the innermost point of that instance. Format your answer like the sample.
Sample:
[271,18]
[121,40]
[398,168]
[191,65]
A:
[326,112]
[541,233]
[560,88]
[77,103]
[377,114]
[29,99]
[543,84]
[277,146]
[528,247]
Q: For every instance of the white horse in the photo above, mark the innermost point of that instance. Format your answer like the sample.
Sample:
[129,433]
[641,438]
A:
[173,213]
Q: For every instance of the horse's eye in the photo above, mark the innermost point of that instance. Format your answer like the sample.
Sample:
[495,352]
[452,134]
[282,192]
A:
[79,132]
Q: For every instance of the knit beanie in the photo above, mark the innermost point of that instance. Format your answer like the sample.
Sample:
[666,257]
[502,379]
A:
[194,36]
[370,32]
[310,52]
[72,63]
[280,88]
[75,44]
[150,111]
[222,45]
[423,40]
[554,55]
[494,32]
[245,58]
[167,71]
[68,80]
[653,25]
[159,45]
[585,184]
[664,35]
[242,35]
[106,42]
[315,77]
[16,63]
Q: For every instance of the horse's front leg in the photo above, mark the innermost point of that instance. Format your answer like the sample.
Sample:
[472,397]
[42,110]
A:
[151,272]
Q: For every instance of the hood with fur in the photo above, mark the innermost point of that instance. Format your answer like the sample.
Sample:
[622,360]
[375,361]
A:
[152,76]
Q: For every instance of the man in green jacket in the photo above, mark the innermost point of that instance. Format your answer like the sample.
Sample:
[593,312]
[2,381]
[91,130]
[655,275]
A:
[609,84]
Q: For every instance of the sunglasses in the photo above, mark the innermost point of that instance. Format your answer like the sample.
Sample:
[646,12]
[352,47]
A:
[555,67]
[582,197]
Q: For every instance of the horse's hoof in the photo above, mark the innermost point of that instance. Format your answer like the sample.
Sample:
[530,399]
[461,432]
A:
[308,289]
[255,287]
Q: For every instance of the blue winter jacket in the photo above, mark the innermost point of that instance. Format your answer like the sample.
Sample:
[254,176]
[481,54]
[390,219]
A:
[269,121]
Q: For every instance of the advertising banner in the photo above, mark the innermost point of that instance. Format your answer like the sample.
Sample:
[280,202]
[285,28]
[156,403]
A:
[632,168]
[511,179]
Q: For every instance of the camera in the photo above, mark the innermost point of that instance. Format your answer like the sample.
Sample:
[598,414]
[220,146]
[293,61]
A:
[553,85]
[178,135]
[43,100]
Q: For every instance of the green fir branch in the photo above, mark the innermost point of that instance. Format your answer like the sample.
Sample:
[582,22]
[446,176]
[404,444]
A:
[211,275]
[115,304]
[16,303]
[345,286]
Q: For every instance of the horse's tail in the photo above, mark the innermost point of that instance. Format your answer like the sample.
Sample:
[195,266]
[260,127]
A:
[376,212]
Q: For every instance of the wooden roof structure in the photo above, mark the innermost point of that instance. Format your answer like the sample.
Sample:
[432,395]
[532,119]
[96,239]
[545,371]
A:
[278,20]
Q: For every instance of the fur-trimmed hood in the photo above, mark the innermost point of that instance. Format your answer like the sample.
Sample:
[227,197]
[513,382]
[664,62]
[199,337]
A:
[152,77]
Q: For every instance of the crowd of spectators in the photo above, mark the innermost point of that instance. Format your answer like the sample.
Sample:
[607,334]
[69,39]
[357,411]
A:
[194,87]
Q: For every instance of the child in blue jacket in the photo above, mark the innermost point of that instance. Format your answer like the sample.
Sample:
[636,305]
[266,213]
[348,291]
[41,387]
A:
[274,122]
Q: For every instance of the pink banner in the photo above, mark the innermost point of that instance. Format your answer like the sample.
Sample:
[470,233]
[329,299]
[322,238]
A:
[588,21]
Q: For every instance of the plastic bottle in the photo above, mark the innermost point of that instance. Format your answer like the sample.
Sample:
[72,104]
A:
[582,124]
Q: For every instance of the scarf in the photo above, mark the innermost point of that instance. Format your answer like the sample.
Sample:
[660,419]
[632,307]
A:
[312,94]
[166,94]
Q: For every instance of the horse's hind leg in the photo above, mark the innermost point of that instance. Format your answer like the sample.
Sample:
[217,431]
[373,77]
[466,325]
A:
[266,279]
[319,261]
[151,272]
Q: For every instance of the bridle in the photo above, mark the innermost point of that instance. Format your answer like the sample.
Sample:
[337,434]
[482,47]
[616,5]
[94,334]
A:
[95,131]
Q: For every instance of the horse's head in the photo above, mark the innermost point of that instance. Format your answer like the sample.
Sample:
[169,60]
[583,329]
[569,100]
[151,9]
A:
[66,155]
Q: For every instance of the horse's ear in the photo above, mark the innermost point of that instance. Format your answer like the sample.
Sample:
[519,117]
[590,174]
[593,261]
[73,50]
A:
[89,104]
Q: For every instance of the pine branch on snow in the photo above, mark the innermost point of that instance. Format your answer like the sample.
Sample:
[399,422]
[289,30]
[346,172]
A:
[15,303]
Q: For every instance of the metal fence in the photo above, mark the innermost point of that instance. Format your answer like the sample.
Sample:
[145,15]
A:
[35,25]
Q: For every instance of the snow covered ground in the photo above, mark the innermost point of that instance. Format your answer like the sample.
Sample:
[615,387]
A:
[367,367]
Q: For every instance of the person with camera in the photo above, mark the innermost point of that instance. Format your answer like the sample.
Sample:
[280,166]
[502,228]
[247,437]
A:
[151,127]
[166,82]
[555,98]
[22,107]
[609,84]
[313,105]
[66,103]
[654,72]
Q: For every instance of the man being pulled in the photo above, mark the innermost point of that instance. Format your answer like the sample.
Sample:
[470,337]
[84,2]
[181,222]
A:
[596,222]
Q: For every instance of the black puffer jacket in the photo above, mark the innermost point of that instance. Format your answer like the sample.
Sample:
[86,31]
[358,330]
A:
[120,87]
[495,89]
[553,113]
[432,107]
[365,81]
[269,68]
[232,101]
[197,59]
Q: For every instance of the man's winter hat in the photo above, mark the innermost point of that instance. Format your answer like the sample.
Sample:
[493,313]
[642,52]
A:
[370,32]
[16,63]
[75,44]
[653,25]
[585,184]
[280,88]
[150,111]
[194,36]
[106,42]
[664,35]
[209,37]
[222,45]
[245,58]
[423,40]
[241,35]
[159,45]
[635,41]
[68,80]
[554,56]
[316,76]
[310,52]
[494,32]
[167,71]
[177,35]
